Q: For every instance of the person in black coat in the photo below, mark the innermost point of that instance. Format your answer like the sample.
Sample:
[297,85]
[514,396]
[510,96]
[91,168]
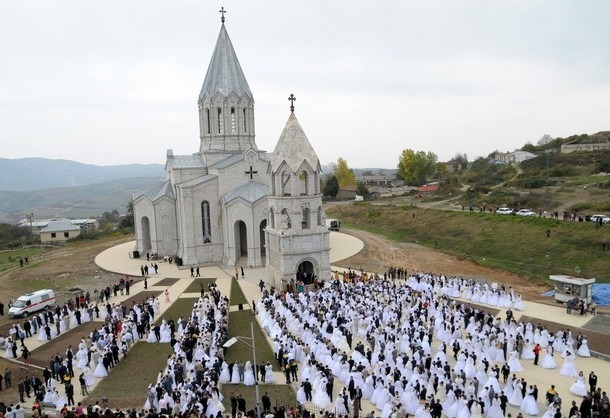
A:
[436,408]
[585,407]
[233,405]
[592,382]
[266,401]
[241,403]
[307,389]
[27,327]
[21,390]
[503,402]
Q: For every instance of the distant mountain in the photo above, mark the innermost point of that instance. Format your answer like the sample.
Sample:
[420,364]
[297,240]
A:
[72,202]
[26,174]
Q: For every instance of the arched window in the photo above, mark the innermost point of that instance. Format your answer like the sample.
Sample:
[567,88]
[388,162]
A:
[305,218]
[303,183]
[207,121]
[320,216]
[273,180]
[286,222]
[205,222]
[219,120]
[245,122]
[233,120]
[285,184]
[271,218]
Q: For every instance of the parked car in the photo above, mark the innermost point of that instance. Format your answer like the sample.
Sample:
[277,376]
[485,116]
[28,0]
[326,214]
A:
[504,211]
[525,212]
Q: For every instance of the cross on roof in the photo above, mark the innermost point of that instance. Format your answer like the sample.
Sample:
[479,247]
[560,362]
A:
[251,172]
[292,99]
[222,12]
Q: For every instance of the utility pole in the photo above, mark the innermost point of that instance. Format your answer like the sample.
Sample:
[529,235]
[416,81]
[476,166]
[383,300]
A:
[548,153]
[30,216]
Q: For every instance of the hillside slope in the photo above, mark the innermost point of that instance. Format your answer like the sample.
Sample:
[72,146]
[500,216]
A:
[26,174]
[72,202]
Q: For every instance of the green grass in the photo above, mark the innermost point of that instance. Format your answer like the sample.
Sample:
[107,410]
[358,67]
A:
[195,286]
[237,296]
[181,307]
[10,259]
[280,394]
[126,384]
[511,243]
[586,179]
[239,326]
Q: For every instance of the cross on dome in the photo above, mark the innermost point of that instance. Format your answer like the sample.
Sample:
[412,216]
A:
[222,12]
[292,99]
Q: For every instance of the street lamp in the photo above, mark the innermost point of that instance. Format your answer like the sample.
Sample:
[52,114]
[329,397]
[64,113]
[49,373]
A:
[245,340]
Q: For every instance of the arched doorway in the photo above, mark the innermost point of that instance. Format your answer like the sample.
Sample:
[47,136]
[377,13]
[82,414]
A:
[262,227]
[241,240]
[306,272]
[145,228]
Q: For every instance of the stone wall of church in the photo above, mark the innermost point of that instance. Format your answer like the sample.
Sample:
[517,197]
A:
[183,175]
[288,251]
[290,245]
[252,217]
[235,176]
[193,250]
[161,236]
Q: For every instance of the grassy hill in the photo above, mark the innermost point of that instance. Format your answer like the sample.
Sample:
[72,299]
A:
[506,242]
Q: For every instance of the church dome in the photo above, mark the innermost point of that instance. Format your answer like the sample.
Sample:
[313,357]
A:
[294,148]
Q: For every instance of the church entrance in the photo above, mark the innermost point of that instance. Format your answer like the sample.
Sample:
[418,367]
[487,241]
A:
[145,227]
[306,272]
[263,225]
[241,241]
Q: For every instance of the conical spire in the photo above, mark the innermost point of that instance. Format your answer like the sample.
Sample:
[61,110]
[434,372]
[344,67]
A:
[293,147]
[224,75]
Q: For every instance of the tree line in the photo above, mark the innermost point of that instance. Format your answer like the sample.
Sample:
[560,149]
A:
[415,168]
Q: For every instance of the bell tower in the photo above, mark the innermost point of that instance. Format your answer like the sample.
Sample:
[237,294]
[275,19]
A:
[297,238]
[226,104]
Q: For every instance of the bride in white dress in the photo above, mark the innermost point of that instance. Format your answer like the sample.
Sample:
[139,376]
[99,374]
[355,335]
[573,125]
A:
[89,381]
[269,376]
[548,362]
[8,353]
[225,374]
[81,358]
[100,370]
[583,350]
[166,333]
[249,374]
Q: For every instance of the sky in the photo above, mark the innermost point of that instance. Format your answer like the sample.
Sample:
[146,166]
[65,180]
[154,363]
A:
[116,82]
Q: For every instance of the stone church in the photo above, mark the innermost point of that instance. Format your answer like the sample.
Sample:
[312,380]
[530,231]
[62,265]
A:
[231,204]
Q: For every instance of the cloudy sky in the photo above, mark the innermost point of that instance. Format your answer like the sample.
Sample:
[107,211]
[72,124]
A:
[117,81]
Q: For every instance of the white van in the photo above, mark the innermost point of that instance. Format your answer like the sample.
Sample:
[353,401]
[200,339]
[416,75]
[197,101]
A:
[32,302]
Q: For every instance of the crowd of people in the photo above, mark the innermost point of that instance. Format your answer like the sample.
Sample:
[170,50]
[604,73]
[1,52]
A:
[376,338]
[189,383]
[48,324]
[403,342]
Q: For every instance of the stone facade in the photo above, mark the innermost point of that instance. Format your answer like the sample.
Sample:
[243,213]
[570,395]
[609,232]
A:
[223,204]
